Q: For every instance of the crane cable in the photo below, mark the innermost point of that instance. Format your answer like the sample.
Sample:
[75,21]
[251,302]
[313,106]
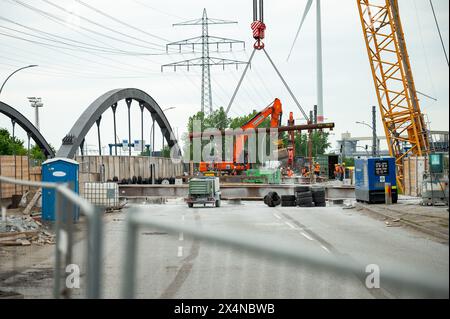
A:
[439,31]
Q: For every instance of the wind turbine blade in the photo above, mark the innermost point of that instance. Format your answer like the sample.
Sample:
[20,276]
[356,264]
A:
[305,14]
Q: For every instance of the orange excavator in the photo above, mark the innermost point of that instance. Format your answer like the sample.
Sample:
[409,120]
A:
[275,111]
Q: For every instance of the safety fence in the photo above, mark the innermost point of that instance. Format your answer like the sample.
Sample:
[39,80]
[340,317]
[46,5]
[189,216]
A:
[68,205]
[243,265]
[229,262]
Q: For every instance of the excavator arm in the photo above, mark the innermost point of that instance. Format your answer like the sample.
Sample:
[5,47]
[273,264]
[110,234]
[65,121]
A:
[275,111]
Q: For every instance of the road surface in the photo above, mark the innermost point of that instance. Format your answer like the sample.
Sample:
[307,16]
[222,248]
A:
[176,266]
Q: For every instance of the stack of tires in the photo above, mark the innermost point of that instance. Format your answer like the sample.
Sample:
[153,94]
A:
[288,201]
[304,196]
[318,194]
[272,199]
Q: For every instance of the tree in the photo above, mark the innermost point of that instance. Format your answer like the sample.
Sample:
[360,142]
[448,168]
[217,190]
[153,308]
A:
[216,120]
[10,145]
[166,152]
[320,143]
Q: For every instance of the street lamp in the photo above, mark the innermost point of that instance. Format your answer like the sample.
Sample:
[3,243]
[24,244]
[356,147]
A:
[25,67]
[36,103]
[375,138]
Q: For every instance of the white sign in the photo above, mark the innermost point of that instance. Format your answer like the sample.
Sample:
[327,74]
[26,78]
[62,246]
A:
[139,145]
[59,174]
[125,145]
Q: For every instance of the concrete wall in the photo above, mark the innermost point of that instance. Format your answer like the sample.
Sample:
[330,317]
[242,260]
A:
[125,167]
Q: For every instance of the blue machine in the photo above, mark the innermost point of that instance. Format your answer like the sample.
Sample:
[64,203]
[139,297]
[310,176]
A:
[371,176]
[58,170]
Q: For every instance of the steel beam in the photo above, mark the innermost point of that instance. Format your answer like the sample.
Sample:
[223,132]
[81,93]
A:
[307,127]
[102,104]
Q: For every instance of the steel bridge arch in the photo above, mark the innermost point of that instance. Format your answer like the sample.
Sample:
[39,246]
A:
[75,137]
[31,130]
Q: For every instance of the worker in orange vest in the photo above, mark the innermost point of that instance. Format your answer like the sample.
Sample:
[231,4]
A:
[337,171]
[290,173]
[342,172]
[317,169]
[305,171]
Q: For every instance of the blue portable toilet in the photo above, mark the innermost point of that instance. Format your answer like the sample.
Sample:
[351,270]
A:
[371,177]
[58,170]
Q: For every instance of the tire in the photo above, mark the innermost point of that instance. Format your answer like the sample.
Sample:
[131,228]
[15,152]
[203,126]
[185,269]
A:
[321,204]
[304,202]
[190,205]
[272,199]
[304,195]
[319,196]
[302,189]
[319,199]
[288,204]
[288,198]
[288,201]
[218,203]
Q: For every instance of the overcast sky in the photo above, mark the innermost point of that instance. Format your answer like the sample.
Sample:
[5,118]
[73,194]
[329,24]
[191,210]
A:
[68,80]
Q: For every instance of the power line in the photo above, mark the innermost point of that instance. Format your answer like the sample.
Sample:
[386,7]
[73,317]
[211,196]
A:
[75,47]
[55,48]
[158,10]
[439,31]
[76,29]
[86,45]
[52,16]
[98,24]
[121,22]
[36,56]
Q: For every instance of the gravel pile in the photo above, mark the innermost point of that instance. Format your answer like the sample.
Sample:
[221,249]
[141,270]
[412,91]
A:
[23,231]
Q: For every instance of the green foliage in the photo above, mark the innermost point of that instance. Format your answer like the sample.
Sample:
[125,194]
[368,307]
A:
[10,145]
[220,121]
[166,152]
[217,120]
[349,161]
[37,154]
[319,143]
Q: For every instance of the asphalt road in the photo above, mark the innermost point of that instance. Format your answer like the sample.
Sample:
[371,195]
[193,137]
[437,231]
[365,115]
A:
[176,266]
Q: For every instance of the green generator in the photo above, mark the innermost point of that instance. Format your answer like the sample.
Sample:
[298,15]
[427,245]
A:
[263,176]
[203,191]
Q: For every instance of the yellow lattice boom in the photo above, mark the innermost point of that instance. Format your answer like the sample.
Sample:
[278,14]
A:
[402,118]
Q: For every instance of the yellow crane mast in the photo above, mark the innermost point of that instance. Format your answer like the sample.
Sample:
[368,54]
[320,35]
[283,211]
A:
[402,118]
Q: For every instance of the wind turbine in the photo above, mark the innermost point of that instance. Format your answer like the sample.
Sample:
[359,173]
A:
[320,116]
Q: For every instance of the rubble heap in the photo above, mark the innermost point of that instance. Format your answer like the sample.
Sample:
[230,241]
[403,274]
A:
[23,231]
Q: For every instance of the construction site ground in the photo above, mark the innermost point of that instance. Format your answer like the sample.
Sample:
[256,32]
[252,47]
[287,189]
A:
[429,220]
[173,266]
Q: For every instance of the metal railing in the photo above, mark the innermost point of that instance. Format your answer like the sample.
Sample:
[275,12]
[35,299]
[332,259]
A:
[426,284]
[67,205]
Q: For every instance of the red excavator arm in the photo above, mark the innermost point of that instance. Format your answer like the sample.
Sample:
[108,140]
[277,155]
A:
[275,111]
